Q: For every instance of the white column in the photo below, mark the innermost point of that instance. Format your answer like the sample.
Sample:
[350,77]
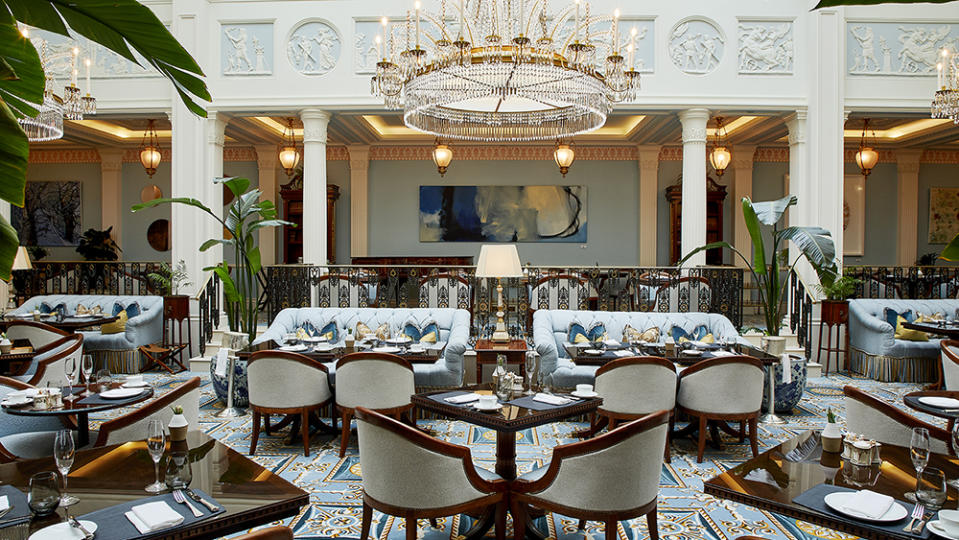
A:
[315,123]
[798,167]
[648,200]
[907,165]
[266,162]
[742,184]
[111,192]
[693,232]
[359,200]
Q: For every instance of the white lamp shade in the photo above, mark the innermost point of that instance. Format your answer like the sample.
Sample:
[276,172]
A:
[867,158]
[289,158]
[720,158]
[499,261]
[150,158]
[442,156]
[22,260]
[564,156]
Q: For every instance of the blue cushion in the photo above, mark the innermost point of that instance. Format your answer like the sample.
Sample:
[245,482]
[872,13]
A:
[416,333]
[891,316]
[595,332]
[308,328]
[132,309]
[697,334]
[330,328]
[45,308]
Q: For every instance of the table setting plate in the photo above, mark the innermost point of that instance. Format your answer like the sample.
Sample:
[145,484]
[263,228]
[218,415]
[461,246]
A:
[936,527]
[835,502]
[416,350]
[294,348]
[940,402]
[386,350]
[584,395]
[120,393]
[593,352]
[64,531]
[479,407]
[693,352]
[141,385]
[323,347]
[399,340]
[17,402]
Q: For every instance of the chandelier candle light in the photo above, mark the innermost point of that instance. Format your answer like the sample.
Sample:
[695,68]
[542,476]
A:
[945,104]
[484,77]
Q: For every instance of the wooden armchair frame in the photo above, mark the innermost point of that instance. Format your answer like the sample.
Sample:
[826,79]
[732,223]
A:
[145,411]
[347,412]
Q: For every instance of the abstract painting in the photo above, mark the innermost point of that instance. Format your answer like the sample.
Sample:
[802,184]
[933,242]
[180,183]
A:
[943,215]
[50,215]
[503,214]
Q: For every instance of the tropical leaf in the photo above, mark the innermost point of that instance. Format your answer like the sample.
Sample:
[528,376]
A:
[14,149]
[814,242]
[770,212]
[834,3]
[23,88]
[951,253]
[756,235]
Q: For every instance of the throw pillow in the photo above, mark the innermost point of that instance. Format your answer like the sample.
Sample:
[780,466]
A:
[577,333]
[116,327]
[930,318]
[132,309]
[907,334]
[362,331]
[306,330]
[700,333]
[330,332]
[891,316]
[82,310]
[428,333]
[631,335]
[45,308]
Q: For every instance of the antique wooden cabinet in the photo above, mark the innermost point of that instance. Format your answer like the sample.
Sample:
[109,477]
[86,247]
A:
[715,199]
[292,195]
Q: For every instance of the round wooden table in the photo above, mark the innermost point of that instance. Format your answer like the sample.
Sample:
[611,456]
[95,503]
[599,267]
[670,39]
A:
[912,401]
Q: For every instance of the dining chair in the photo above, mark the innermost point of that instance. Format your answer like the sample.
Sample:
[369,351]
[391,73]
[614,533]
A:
[132,425]
[446,290]
[720,390]
[37,333]
[632,388]
[949,352]
[286,383]
[27,437]
[272,533]
[609,478]
[411,475]
[48,360]
[684,295]
[377,381]
[874,418]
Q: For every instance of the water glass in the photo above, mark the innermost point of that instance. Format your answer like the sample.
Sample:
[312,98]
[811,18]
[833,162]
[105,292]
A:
[44,496]
[104,380]
[931,488]
[156,445]
[919,453]
[86,366]
[64,451]
[71,369]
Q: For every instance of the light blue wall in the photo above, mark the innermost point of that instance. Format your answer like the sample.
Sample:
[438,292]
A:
[882,210]
[612,211]
[338,173]
[932,175]
[88,174]
[134,243]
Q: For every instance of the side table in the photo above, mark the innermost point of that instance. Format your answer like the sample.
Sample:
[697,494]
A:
[487,351]
[833,314]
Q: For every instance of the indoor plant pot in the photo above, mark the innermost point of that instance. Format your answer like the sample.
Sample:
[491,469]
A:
[788,394]
[831,435]
[178,424]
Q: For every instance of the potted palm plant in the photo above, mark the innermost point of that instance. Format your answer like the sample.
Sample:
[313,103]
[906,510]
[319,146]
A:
[168,280]
[834,308]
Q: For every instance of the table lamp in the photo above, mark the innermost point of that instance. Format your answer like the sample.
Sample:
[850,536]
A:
[499,261]
[20,262]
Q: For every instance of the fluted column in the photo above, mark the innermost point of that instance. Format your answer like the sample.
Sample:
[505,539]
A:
[907,165]
[215,140]
[359,200]
[266,163]
[111,192]
[315,123]
[742,185]
[648,200]
[799,182]
[693,232]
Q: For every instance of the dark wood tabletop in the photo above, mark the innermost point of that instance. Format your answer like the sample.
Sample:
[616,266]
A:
[111,475]
[680,356]
[948,328]
[68,323]
[912,400]
[773,479]
[429,356]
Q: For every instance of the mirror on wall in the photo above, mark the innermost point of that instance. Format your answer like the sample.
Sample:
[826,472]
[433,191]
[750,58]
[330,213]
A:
[150,193]
[158,235]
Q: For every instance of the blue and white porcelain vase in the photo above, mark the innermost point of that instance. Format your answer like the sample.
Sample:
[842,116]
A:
[241,397]
[788,394]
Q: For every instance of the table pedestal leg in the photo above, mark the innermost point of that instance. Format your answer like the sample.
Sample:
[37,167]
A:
[83,430]
[770,417]
[506,454]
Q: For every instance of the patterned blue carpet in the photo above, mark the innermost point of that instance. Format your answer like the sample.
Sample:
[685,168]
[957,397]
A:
[685,512]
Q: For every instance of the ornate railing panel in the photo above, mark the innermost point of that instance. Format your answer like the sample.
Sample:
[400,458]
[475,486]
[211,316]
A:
[89,277]
[925,282]
[208,299]
[800,311]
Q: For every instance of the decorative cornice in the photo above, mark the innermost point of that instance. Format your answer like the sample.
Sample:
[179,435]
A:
[503,153]
[671,153]
[771,154]
[239,153]
[85,155]
[132,155]
[337,153]
[940,156]
[885,156]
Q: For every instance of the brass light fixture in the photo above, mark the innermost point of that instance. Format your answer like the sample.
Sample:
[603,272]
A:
[442,156]
[866,157]
[289,156]
[720,157]
[564,155]
[150,155]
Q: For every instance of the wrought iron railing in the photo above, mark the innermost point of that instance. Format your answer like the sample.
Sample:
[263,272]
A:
[85,277]
[921,282]
[208,298]
[800,311]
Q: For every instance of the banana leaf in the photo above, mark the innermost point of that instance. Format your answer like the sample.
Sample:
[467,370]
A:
[951,253]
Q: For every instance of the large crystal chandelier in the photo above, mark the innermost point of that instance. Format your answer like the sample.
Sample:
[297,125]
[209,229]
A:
[945,104]
[505,70]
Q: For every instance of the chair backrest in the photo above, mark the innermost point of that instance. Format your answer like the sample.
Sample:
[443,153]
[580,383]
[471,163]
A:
[949,350]
[445,291]
[691,293]
[408,469]
[637,386]
[341,290]
[561,291]
[273,533]
[49,361]
[11,424]
[725,385]
[132,425]
[870,416]
[373,380]
[617,471]
[37,333]
[285,380]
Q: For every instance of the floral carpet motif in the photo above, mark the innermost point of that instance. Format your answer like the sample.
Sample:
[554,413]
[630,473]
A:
[685,512]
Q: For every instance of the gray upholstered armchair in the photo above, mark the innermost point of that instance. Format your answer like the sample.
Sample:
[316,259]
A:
[37,333]
[610,478]
[377,381]
[409,474]
[880,421]
[27,437]
[132,425]
[48,361]
[949,351]
[286,383]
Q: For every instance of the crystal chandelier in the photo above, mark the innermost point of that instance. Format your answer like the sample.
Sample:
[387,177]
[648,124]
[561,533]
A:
[945,104]
[506,71]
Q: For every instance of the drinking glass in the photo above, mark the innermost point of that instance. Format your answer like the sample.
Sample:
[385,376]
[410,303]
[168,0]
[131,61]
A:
[64,451]
[530,369]
[86,365]
[919,452]
[156,444]
[71,370]
[104,380]
[547,379]
[931,488]
[44,495]
[955,448]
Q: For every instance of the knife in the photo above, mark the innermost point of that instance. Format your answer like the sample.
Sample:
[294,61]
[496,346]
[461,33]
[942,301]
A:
[193,495]
[76,524]
[922,523]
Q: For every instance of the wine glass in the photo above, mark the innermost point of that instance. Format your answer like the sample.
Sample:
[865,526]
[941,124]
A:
[71,370]
[156,444]
[931,488]
[919,452]
[104,380]
[530,369]
[64,451]
[955,448]
[44,496]
[86,365]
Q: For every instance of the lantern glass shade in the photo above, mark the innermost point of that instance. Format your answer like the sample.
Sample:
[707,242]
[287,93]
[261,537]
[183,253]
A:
[867,158]
[289,158]
[150,159]
[720,158]
[442,157]
[564,155]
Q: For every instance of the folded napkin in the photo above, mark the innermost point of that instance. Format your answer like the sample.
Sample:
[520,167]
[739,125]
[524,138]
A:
[611,343]
[462,398]
[623,353]
[937,401]
[787,365]
[153,516]
[551,399]
[868,504]
[4,503]
[721,353]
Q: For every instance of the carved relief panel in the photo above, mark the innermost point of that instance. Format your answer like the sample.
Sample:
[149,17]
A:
[246,48]
[766,47]
[898,49]
[313,48]
[696,45]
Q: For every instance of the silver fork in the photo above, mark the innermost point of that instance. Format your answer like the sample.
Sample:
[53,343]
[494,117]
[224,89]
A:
[87,535]
[917,513]
[179,497]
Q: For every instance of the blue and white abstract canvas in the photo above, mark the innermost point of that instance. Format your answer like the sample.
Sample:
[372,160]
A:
[503,214]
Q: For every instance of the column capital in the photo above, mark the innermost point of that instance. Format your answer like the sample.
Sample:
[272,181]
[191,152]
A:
[217,122]
[694,124]
[266,156]
[796,124]
[908,161]
[359,156]
[743,156]
[111,159]
[315,122]
[648,155]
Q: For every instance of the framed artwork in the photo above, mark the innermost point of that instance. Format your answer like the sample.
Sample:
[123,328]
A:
[854,215]
[943,215]
[503,214]
[50,215]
